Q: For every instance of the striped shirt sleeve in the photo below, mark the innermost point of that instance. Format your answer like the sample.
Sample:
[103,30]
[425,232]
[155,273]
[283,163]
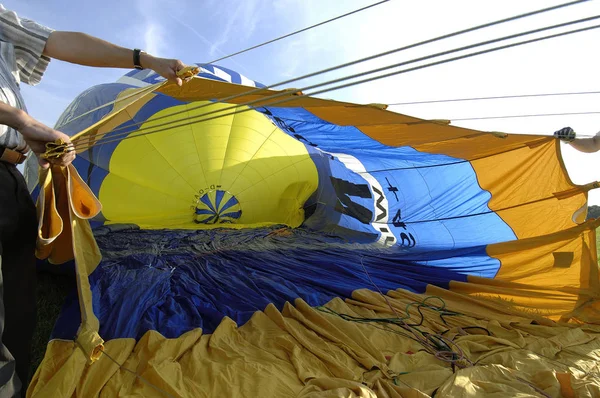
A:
[29,39]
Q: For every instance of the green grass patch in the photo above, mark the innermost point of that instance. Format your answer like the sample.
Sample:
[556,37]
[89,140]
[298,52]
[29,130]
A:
[51,293]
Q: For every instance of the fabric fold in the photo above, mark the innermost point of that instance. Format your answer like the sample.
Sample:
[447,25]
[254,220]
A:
[65,205]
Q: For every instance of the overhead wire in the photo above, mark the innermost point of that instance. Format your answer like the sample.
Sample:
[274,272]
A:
[493,98]
[237,53]
[172,124]
[418,44]
[375,56]
[187,110]
[297,31]
[530,115]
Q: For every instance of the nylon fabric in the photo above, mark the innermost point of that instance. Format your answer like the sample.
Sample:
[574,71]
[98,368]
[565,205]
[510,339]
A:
[64,206]
[211,226]
[303,351]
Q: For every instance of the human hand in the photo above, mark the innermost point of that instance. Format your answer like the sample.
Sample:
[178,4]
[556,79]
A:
[566,134]
[37,135]
[165,67]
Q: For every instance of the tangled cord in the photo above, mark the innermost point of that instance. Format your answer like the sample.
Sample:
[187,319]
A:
[441,348]
[436,344]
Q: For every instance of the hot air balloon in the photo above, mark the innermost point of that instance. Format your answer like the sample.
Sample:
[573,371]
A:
[316,246]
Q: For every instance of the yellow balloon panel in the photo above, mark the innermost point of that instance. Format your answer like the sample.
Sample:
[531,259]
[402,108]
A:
[291,197]
[119,209]
[235,171]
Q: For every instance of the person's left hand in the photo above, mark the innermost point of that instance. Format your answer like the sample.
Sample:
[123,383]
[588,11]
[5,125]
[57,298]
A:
[165,67]
[37,135]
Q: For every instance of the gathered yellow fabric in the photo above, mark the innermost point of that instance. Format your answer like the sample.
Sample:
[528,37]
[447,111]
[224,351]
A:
[303,351]
[65,205]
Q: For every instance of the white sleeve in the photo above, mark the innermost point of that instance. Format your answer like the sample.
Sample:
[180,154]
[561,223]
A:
[29,40]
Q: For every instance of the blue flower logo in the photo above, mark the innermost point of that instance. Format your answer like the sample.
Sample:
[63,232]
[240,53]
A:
[217,207]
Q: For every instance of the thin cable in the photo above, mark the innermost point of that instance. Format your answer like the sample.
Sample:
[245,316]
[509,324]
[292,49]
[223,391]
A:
[457,33]
[112,132]
[379,290]
[137,375]
[296,32]
[352,76]
[189,121]
[237,53]
[427,341]
[459,57]
[532,115]
[113,102]
[493,98]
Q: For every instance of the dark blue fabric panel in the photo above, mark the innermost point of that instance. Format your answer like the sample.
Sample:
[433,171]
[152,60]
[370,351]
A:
[174,281]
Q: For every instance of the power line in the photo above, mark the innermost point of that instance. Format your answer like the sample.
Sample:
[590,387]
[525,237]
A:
[298,31]
[459,57]
[240,52]
[531,115]
[492,98]
[262,100]
[188,121]
[414,45]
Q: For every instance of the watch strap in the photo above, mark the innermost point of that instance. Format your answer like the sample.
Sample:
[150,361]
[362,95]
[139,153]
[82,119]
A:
[136,58]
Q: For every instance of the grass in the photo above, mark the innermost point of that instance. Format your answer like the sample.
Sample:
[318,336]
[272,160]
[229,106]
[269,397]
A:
[51,293]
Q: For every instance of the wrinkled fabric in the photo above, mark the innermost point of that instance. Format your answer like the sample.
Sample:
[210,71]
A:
[372,203]
[64,206]
[310,352]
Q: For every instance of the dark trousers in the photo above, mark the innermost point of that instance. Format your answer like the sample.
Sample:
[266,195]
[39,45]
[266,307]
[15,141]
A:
[18,230]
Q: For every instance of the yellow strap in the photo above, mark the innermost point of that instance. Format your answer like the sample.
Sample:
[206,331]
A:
[65,205]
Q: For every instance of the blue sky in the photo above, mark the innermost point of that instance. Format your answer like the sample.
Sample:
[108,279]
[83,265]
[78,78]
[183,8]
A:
[203,30]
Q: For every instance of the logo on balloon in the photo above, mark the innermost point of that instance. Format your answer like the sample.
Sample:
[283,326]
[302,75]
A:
[217,207]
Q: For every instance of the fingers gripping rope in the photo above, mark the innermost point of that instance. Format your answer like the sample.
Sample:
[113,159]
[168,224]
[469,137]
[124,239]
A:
[57,149]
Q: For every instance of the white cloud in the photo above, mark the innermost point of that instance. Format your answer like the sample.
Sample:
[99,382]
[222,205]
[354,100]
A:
[153,39]
[192,29]
[204,40]
[154,32]
[241,23]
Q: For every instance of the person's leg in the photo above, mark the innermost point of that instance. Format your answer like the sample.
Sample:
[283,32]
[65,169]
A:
[18,228]
[10,385]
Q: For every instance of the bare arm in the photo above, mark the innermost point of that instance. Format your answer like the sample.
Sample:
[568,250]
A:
[83,49]
[36,134]
[587,145]
[11,116]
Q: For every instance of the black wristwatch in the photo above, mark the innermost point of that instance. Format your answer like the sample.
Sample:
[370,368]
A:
[136,58]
